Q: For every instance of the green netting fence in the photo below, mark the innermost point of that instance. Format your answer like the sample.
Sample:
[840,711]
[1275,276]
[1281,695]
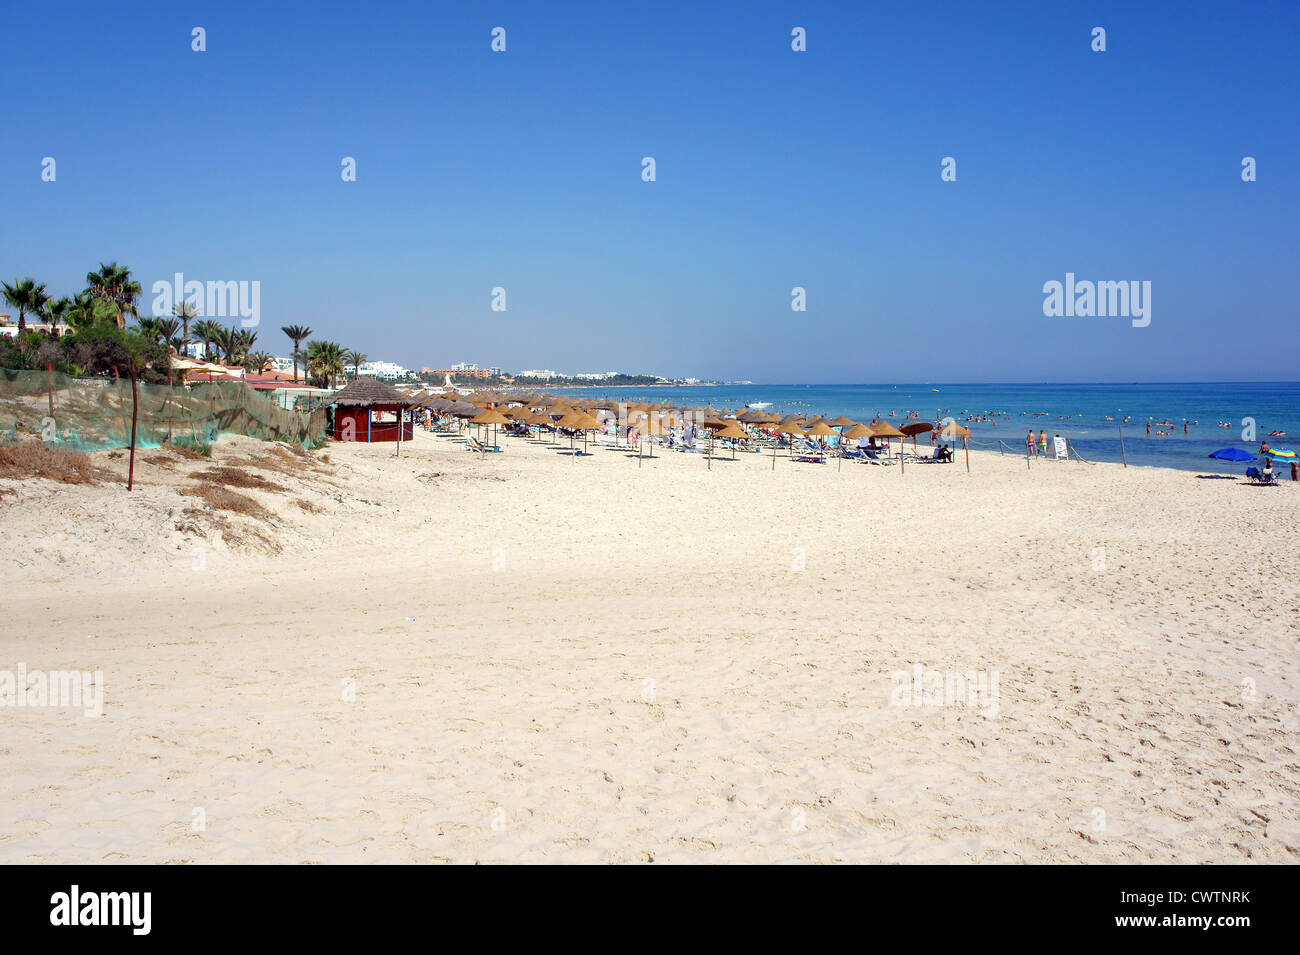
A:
[94,414]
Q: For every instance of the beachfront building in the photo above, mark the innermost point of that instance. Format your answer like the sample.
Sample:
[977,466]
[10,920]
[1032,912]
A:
[369,410]
[543,373]
[284,391]
[10,328]
[458,371]
[383,370]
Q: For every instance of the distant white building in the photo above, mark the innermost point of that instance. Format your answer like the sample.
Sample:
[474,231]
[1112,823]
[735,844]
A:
[596,375]
[383,370]
[538,373]
[465,366]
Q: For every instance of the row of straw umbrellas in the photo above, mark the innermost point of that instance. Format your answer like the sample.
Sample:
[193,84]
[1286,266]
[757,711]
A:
[577,415]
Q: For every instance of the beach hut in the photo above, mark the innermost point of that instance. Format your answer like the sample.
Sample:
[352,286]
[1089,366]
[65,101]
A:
[359,410]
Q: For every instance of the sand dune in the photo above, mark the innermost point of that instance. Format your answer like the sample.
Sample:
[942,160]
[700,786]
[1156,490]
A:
[534,658]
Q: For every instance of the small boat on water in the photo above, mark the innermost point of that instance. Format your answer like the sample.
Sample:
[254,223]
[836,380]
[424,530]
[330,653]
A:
[756,405]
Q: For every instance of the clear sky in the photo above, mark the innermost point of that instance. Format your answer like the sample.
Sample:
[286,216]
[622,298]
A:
[775,169]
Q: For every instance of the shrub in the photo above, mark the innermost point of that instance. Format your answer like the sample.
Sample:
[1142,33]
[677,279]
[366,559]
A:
[28,459]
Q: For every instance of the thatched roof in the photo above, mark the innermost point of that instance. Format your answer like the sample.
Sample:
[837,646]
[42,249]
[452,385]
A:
[368,391]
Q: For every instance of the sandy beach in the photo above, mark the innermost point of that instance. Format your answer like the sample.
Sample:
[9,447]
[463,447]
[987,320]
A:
[530,658]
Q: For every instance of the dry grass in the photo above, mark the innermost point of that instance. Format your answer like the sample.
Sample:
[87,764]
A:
[223,499]
[187,451]
[309,507]
[28,459]
[228,476]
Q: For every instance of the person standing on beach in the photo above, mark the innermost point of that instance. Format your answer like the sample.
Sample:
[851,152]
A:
[1029,442]
[1042,442]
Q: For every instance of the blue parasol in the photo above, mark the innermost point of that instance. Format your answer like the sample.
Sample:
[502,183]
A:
[1232,454]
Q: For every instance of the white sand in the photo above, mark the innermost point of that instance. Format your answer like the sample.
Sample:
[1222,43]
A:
[617,664]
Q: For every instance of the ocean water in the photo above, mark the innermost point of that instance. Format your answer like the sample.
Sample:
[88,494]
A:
[1077,411]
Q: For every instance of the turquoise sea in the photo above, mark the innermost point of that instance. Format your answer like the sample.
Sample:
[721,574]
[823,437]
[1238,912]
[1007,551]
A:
[1078,411]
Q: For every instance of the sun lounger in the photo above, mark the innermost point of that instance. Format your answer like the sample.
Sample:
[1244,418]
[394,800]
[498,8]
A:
[474,444]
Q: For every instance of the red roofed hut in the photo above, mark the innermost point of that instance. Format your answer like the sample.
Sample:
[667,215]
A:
[369,410]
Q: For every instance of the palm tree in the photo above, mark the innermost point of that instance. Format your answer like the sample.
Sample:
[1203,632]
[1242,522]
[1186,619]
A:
[298,334]
[26,296]
[356,359]
[56,313]
[167,328]
[207,332]
[257,361]
[85,310]
[114,285]
[325,360]
[241,340]
[223,339]
[186,312]
[148,327]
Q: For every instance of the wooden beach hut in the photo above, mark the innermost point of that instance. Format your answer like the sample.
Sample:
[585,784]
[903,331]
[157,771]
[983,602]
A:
[359,411]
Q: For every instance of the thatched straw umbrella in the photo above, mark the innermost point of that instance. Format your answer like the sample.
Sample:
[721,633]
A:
[883,429]
[790,428]
[913,428]
[730,430]
[818,429]
[953,430]
[534,419]
[492,417]
[647,426]
[576,420]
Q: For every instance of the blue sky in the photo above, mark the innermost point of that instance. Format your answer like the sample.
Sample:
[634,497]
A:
[775,169]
